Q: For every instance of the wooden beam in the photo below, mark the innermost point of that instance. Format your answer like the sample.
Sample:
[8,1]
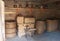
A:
[50,1]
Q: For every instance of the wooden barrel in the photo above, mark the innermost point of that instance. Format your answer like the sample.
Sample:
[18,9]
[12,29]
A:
[10,15]
[10,24]
[29,20]
[20,19]
[10,29]
[40,26]
[52,25]
[10,35]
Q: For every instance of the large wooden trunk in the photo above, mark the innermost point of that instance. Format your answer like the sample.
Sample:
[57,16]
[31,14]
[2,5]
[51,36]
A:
[52,25]
[30,25]
[20,27]
[29,20]
[40,26]
[20,19]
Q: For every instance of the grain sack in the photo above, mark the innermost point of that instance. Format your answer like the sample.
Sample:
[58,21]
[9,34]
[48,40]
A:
[20,19]
[10,16]
[10,24]
[52,25]
[10,30]
[29,20]
[10,35]
[40,26]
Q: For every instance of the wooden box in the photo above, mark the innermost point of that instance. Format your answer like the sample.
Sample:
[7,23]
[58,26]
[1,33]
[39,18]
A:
[29,20]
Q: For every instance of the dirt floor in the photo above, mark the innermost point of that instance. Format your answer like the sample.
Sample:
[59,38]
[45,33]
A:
[47,36]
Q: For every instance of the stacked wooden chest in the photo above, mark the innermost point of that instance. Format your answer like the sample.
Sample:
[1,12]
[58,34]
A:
[22,22]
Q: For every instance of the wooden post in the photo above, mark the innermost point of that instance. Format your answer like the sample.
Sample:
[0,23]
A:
[2,24]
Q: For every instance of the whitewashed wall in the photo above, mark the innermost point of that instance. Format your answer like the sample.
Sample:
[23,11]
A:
[2,25]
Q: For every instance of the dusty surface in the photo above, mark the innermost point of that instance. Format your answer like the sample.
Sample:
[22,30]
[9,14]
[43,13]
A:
[52,36]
